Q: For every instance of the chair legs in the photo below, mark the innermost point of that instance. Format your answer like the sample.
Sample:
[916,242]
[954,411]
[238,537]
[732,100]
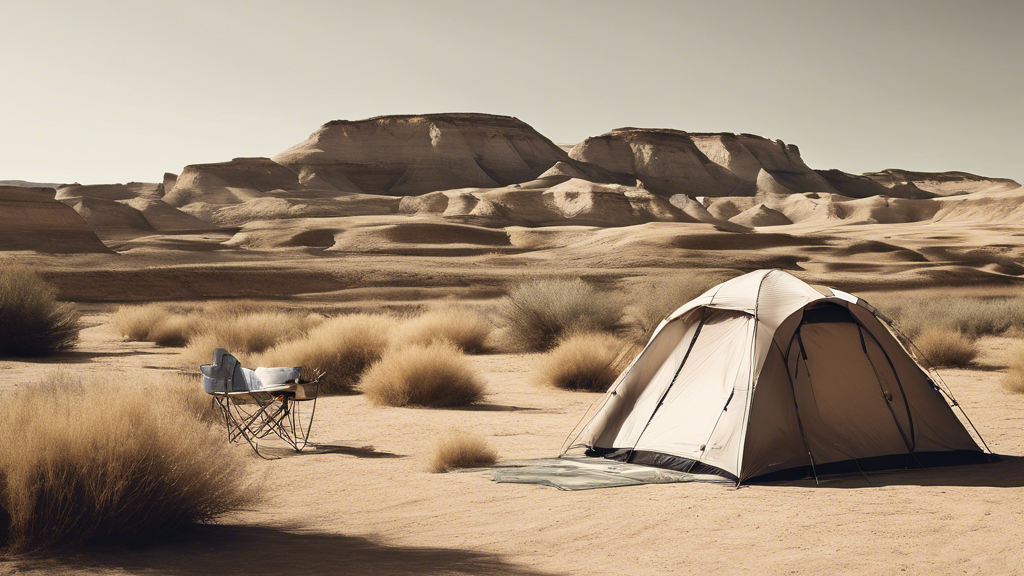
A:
[257,415]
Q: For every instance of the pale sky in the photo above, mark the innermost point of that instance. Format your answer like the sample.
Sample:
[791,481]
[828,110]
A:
[103,91]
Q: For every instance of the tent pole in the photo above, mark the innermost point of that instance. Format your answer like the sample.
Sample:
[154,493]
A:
[881,387]
[796,407]
[696,334]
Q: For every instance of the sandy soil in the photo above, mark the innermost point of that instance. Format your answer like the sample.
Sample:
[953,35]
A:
[363,503]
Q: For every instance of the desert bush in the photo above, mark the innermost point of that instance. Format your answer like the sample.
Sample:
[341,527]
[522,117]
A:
[462,326]
[135,322]
[656,298]
[175,330]
[341,349]
[136,470]
[435,376]
[946,347]
[969,315]
[245,334]
[1013,378]
[32,321]
[585,361]
[536,314]
[460,449]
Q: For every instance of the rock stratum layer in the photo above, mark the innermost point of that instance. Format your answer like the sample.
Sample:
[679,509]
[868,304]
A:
[31,219]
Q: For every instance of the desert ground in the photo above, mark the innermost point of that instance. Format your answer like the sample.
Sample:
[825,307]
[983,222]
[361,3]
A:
[349,221]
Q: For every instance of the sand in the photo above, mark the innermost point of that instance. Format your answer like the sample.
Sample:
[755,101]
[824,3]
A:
[364,503]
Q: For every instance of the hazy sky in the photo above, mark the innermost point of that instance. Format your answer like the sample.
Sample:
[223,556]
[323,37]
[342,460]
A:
[114,91]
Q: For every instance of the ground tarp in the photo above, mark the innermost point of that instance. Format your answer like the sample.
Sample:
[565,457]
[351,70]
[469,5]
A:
[589,473]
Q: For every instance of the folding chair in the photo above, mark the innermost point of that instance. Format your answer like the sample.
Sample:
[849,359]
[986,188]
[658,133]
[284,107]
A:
[262,402]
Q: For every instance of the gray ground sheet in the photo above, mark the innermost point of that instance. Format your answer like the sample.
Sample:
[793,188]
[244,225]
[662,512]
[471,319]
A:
[588,473]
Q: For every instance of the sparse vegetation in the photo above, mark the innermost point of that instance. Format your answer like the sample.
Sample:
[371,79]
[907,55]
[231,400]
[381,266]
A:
[462,326]
[245,334]
[134,471]
[174,330]
[656,298]
[32,321]
[946,347]
[587,361]
[460,449]
[971,316]
[435,376]
[537,313]
[1013,378]
[341,348]
[135,322]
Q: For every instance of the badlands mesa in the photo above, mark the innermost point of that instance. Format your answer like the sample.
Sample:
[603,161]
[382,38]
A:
[482,197]
[418,214]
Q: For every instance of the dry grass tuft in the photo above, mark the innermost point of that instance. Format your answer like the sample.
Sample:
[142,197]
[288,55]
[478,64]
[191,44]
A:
[462,326]
[135,471]
[245,334]
[175,330]
[435,376]
[537,313]
[945,347]
[32,321]
[341,348]
[1013,378]
[586,361]
[656,298]
[459,449]
[136,322]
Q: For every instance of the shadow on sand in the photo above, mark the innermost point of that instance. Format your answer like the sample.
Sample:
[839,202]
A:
[259,551]
[1007,472]
[322,448]
[84,357]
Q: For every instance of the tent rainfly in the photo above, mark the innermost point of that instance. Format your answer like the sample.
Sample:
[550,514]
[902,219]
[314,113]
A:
[764,373]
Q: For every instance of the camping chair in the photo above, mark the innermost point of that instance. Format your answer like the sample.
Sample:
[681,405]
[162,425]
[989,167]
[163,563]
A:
[258,403]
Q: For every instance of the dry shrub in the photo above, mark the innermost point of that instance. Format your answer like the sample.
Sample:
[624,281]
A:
[537,313]
[175,330]
[245,334]
[970,315]
[186,391]
[459,449]
[137,470]
[136,322]
[656,298]
[32,321]
[1013,378]
[435,376]
[945,347]
[585,361]
[464,327]
[340,349]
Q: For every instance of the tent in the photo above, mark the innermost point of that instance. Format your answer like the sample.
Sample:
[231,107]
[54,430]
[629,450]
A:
[764,374]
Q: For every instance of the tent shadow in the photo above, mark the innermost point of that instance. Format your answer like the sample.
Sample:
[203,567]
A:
[1008,472]
[240,550]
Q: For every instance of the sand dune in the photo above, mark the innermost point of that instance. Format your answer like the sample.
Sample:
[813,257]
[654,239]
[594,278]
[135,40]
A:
[574,201]
[31,219]
[760,215]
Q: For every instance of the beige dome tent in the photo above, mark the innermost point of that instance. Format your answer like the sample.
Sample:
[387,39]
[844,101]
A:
[764,373]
